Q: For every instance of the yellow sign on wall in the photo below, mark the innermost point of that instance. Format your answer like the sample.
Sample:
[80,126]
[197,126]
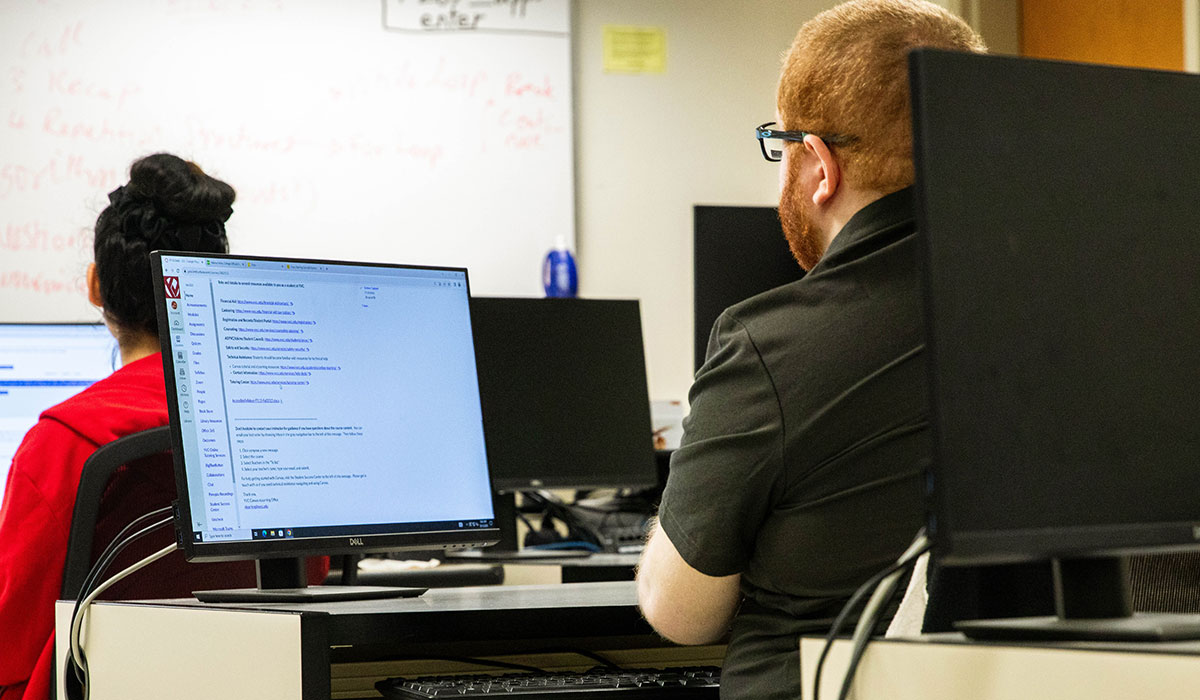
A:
[635,49]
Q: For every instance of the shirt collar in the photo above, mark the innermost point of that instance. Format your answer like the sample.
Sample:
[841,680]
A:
[882,214]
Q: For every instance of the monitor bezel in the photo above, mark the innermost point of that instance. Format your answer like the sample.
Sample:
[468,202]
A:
[98,325]
[300,546]
[54,324]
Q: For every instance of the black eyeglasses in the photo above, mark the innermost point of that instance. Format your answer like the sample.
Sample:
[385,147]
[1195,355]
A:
[771,140]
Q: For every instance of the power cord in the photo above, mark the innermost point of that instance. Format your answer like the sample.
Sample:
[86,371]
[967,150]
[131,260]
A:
[114,548]
[577,529]
[117,544]
[872,616]
[77,622]
[76,662]
[883,584]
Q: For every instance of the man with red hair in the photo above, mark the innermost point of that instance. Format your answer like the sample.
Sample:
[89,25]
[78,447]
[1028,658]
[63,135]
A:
[800,473]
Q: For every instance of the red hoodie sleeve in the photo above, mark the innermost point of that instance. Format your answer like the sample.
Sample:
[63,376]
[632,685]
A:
[35,522]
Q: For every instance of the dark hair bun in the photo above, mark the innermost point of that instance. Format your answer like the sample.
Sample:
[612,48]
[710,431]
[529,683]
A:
[180,189]
[169,204]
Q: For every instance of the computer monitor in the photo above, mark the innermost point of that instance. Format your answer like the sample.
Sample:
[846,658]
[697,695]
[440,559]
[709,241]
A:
[737,252]
[1061,232]
[42,364]
[321,407]
[565,401]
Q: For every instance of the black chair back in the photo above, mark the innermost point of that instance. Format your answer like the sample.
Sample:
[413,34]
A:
[98,471]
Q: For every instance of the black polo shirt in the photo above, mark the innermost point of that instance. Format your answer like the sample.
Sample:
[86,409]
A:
[803,456]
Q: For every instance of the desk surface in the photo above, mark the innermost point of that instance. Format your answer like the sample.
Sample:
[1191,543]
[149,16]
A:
[285,651]
[453,614]
[949,667]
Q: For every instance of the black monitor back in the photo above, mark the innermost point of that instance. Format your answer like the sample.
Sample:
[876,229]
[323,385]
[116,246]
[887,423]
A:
[563,388]
[1062,242]
[737,252]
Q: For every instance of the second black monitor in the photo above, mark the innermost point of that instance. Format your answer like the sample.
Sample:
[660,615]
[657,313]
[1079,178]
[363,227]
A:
[738,252]
[565,400]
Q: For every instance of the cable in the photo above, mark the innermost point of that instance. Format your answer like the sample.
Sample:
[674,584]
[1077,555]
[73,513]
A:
[478,662]
[114,548]
[852,603]
[883,591]
[77,621]
[594,657]
[77,662]
[861,645]
[840,620]
[507,664]
[576,527]
[871,616]
[521,667]
[110,553]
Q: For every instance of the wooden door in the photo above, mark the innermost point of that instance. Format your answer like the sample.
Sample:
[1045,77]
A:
[1142,33]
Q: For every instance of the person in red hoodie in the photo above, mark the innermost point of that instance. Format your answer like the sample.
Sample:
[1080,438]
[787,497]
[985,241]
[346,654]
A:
[168,204]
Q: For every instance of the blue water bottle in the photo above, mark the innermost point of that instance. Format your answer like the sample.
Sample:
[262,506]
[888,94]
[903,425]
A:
[558,271]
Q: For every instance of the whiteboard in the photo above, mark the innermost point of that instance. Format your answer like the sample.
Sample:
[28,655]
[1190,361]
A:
[413,131]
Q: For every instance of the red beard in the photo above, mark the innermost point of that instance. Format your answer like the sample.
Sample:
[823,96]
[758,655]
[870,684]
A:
[795,214]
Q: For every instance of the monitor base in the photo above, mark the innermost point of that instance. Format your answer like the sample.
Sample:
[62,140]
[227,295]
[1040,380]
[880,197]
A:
[307,594]
[1140,627]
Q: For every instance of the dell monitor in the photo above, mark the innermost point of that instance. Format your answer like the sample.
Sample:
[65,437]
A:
[565,401]
[42,364]
[1061,232]
[320,407]
[737,252]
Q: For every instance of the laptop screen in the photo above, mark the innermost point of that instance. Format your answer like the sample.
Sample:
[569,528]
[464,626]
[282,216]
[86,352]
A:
[322,399]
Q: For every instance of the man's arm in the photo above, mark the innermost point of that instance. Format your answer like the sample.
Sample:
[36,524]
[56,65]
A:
[682,604]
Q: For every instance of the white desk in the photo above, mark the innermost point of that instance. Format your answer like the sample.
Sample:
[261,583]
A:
[947,667]
[186,650]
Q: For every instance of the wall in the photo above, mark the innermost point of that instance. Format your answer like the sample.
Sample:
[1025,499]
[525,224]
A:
[1191,36]
[650,146]
[999,21]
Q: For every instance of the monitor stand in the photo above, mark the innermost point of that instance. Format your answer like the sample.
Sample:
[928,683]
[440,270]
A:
[1092,600]
[285,581]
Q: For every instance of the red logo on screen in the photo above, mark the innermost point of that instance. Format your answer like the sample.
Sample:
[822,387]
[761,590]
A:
[171,284]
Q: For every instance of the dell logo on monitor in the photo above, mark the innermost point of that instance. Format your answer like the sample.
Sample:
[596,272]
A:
[356,542]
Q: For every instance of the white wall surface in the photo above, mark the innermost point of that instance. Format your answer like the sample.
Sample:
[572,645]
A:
[650,146]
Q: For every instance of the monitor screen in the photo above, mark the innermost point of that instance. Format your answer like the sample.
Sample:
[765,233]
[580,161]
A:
[738,252]
[1062,242]
[564,393]
[321,407]
[42,364]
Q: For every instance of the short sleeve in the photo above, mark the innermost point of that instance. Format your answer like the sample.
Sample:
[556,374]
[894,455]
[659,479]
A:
[723,476]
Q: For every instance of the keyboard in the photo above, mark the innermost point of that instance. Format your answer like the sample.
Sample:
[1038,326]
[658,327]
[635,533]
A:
[690,683]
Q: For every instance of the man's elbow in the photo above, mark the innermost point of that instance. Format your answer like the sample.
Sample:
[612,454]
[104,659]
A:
[674,620]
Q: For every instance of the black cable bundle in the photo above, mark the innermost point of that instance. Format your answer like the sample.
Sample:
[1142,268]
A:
[76,675]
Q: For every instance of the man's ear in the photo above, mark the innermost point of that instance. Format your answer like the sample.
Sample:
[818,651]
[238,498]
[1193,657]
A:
[828,170]
[93,286]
